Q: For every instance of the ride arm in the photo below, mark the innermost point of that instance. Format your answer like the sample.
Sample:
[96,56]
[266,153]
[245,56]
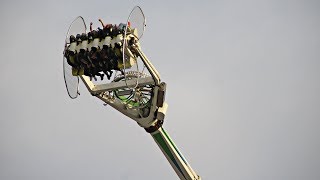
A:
[174,156]
[153,71]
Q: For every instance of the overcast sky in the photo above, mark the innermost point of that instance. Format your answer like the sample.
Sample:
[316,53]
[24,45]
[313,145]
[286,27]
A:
[242,87]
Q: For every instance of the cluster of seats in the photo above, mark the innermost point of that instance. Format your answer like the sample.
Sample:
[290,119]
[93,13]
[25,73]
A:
[96,53]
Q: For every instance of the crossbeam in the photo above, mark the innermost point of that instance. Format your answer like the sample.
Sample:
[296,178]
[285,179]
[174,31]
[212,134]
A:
[95,89]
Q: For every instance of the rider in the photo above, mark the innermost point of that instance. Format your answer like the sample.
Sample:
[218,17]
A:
[71,51]
[94,53]
[71,55]
[106,52]
[82,55]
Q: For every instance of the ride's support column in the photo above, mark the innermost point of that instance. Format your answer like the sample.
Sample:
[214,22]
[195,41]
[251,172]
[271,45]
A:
[174,156]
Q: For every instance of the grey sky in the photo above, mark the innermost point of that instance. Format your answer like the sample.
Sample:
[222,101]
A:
[243,92]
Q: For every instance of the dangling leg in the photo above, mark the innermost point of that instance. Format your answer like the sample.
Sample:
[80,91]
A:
[101,76]
[108,73]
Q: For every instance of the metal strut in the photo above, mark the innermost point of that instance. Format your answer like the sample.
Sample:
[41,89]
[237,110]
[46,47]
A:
[154,121]
[174,156]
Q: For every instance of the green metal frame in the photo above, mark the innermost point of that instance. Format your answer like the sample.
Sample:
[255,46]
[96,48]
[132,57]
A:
[173,155]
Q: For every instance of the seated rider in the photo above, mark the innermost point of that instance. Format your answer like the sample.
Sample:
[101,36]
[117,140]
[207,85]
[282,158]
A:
[106,52]
[83,53]
[71,52]
[71,55]
[94,54]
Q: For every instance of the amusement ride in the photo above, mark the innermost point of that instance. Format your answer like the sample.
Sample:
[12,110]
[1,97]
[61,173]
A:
[110,63]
